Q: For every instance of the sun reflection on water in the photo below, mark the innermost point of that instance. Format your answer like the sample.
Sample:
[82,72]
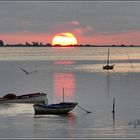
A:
[66,81]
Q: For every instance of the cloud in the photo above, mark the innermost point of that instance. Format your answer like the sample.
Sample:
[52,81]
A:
[43,16]
[84,31]
[75,22]
[85,19]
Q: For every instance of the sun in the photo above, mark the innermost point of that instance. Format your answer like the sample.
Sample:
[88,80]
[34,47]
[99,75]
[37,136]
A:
[64,39]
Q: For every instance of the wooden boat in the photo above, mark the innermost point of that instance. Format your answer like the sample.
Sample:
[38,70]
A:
[60,108]
[25,98]
[108,66]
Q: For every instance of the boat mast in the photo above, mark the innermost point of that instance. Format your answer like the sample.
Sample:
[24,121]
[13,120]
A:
[108,57]
[63,94]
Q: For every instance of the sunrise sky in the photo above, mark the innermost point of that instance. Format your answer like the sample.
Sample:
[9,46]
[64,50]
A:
[90,22]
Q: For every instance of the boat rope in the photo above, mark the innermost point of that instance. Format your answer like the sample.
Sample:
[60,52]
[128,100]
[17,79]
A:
[130,60]
[84,109]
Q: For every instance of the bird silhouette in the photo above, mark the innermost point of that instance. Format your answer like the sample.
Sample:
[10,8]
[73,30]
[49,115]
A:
[26,72]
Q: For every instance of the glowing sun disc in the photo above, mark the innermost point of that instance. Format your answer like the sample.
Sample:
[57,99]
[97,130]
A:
[64,39]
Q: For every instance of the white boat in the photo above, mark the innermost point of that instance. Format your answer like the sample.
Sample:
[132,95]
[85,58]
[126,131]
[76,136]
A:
[60,108]
[108,66]
[25,98]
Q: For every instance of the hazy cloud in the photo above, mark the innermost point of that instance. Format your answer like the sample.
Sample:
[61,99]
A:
[83,18]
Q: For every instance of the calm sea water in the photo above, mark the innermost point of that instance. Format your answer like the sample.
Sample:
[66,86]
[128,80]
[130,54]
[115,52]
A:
[79,71]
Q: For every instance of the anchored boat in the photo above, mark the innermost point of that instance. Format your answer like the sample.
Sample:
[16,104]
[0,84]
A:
[25,98]
[60,108]
[108,66]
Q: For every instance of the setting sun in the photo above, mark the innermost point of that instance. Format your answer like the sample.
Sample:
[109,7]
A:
[64,39]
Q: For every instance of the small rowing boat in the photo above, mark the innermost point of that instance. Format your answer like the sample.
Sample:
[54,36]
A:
[25,98]
[60,108]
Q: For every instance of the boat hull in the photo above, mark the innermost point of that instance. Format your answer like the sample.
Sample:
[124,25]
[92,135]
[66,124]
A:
[39,98]
[108,67]
[62,108]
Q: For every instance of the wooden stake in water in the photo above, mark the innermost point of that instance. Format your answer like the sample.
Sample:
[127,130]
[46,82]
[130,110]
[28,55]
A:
[113,111]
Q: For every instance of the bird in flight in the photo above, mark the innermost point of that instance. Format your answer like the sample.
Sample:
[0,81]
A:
[26,72]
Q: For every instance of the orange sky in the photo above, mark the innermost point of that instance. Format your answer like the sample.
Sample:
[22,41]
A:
[23,37]
[130,38]
[98,23]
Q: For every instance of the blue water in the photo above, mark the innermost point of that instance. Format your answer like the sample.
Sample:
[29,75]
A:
[79,71]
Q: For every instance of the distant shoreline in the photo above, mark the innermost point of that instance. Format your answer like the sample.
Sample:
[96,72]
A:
[83,46]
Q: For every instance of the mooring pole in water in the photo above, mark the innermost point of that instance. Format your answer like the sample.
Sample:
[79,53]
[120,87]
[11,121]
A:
[113,111]
[63,94]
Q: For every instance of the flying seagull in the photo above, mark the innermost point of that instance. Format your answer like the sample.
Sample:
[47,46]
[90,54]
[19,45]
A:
[26,72]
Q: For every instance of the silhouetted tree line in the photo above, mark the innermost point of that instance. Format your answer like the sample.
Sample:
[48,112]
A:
[33,44]
[1,43]
[40,44]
